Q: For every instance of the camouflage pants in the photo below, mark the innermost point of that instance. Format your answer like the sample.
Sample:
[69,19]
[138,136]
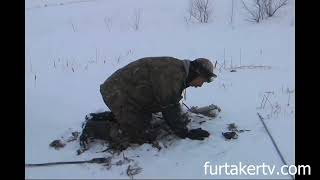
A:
[133,123]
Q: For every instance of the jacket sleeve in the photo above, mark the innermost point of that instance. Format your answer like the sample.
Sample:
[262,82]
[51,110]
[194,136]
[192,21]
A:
[176,122]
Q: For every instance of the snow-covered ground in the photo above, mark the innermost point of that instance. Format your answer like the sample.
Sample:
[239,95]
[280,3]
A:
[73,46]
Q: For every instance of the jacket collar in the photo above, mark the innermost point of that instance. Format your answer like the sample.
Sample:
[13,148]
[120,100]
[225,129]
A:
[186,65]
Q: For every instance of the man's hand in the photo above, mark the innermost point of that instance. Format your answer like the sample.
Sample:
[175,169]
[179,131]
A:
[198,134]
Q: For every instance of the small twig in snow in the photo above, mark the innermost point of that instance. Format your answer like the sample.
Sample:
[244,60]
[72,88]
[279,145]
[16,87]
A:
[35,80]
[118,60]
[262,101]
[74,30]
[107,21]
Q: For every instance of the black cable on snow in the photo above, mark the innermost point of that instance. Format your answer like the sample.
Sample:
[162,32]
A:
[94,160]
[274,143]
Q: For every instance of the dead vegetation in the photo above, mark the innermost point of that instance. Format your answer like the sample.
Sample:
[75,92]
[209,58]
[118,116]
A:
[274,104]
[259,10]
[200,11]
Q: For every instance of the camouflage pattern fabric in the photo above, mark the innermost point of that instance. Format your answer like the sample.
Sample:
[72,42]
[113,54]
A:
[143,87]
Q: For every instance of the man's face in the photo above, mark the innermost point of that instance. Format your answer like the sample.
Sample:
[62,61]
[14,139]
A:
[197,82]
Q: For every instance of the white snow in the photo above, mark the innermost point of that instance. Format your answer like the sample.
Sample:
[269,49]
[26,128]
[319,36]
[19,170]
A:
[72,47]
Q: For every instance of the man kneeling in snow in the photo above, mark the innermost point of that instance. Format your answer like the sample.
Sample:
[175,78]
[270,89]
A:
[150,85]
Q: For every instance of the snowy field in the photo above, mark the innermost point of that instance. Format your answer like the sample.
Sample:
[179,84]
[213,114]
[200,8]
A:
[73,46]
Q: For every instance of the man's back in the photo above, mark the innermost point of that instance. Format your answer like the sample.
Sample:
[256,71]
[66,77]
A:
[148,84]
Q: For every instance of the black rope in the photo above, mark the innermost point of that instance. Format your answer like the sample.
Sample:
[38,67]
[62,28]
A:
[274,143]
[94,160]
